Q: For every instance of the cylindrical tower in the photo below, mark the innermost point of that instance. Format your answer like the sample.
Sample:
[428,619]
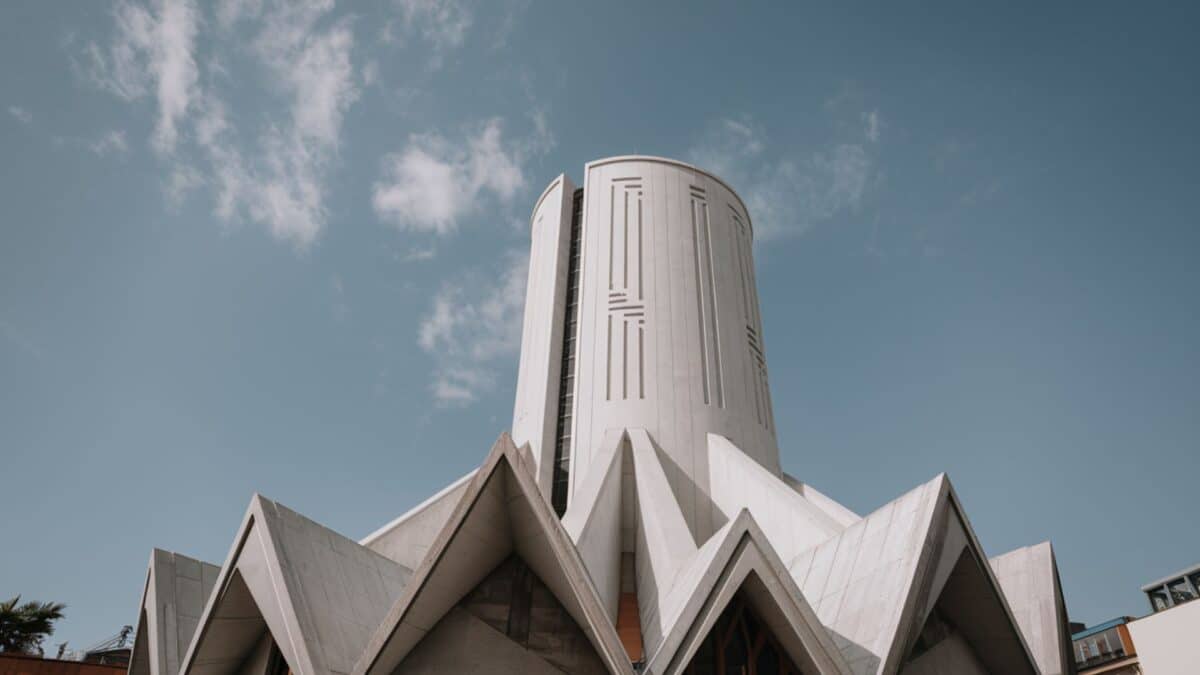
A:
[656,309]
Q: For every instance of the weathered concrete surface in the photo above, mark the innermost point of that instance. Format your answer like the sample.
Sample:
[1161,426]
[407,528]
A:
[535,410]
[501,513]
[739,557]
[791,522]
[319,594]
[462,643]
[1029,579]
[406,539]
[840,514]
[952,656]
[177,588]
[874,585]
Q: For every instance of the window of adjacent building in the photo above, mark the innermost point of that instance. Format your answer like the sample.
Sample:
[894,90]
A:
[1158,599]
[1181,591]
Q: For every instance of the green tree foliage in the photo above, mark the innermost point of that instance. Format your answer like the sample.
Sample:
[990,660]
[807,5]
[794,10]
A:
[24,626]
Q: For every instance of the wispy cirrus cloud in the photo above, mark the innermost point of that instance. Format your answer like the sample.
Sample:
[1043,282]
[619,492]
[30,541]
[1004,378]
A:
[20,114]
[789,194]
[152,52]
[472,327]
[112,142]
[442,23]
[261,165]
[433,182]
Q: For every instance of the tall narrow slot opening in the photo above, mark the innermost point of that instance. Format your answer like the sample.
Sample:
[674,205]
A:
[566,385]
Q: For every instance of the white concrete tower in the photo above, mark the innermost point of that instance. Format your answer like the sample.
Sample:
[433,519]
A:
[655,308]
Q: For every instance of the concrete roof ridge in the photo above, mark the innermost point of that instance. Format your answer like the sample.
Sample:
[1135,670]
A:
[469,546]
[792,522]
[160,640]
[736,552]
[830,506]
[320,593]
[418,509]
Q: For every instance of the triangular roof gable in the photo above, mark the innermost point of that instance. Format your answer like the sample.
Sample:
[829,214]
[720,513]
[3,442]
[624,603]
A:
[318,593]
[874,585]
[1031,584]
[177,588]
[501,511]
[739,556]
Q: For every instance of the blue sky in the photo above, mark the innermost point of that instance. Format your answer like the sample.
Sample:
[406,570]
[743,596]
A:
[248,246]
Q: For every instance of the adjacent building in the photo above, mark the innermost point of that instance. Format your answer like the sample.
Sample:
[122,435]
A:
[637,519]
[1166,638]
[1106,648]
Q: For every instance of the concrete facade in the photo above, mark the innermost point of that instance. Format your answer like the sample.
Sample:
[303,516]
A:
[177,588]
[637,511]
[535,411]
[1029,577]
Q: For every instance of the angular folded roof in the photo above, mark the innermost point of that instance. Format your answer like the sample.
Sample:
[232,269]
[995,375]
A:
[500,513]
[177,588]
[317,593]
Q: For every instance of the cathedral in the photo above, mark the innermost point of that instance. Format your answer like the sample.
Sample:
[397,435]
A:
[636,519]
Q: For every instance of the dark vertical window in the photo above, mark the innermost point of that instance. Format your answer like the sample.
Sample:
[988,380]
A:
[566,385]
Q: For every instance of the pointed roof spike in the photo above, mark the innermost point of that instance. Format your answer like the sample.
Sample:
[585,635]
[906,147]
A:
[177,588]
[407,538]
[501,512]
[875,585]
[1029,578]
[318,594]
[740,556]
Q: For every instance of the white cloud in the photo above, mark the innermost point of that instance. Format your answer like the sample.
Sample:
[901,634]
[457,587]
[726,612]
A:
[370,73]
[152,49]
[230,12]
[419,254]
[20,114]
[790,195]
[441,22]
[109,143]
[874,125]
[473,327]
[183,180]
[312,66]
[432,183]
[273,173]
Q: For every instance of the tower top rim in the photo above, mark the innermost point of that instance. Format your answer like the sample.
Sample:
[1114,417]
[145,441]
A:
[617,159]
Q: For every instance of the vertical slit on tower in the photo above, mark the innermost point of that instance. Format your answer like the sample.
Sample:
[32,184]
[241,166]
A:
[641,361]
[625,242]
[712,306]
[640,243]
[612,231]
[608,364]
[700,303]
[560,484]
[625,359]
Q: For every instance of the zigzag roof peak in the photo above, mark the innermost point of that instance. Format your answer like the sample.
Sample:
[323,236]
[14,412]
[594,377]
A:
[318,595]
[501,512]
